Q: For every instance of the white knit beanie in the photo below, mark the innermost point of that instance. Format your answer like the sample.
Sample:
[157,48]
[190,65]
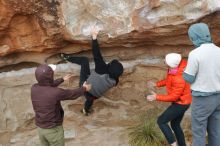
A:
[173,59]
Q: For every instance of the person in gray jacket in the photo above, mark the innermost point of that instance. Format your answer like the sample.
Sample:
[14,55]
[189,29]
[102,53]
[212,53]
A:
[104,77]
[203,73]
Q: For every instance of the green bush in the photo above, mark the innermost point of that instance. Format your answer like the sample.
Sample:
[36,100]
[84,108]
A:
[145,132]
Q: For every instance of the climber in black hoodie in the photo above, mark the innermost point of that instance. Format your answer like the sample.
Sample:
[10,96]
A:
[104,77]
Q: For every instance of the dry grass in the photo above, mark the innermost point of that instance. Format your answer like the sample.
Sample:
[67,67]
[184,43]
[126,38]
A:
[146,132]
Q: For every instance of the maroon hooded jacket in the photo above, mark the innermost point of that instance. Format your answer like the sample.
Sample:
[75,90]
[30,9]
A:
[46,97]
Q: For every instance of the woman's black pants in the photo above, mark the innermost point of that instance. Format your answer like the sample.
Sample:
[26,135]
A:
[173,114]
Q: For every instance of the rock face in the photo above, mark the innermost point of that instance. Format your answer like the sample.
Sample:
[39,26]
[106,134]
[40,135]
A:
[139,33]
[113,113]
[107,126]
[34,31]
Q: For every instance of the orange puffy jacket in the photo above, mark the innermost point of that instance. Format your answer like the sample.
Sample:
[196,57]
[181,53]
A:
[178,90]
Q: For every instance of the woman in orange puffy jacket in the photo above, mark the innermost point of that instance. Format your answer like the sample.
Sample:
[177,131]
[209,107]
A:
[178,92]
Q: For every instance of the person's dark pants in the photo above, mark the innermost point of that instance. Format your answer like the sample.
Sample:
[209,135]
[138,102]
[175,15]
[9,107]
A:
[84,74]
[173,114]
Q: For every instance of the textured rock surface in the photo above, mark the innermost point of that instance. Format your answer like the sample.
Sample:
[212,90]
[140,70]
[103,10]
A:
[105,127]
[34,30]
[113,113]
